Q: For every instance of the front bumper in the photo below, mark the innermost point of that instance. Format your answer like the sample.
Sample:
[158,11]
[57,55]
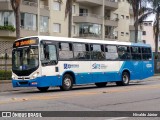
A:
[38,82]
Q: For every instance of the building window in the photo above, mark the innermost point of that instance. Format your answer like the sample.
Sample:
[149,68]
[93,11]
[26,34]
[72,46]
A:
[122,33]
[28,21]
[127,33]
[83,12]
[150,24]
[89,29]
[56,6]
[144,33]
[73,9]
[122,16]
[110,32]
[127,17]
[145,24]
[57,27]
[144,41]
[44,24]
[7,18]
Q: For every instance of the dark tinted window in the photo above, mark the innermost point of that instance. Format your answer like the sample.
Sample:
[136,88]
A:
[124,52]
[136,53]
[146,53]
[65,51]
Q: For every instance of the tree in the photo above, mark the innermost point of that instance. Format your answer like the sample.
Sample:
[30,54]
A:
[149,11]
[68,12]
[16,9]
[136,5]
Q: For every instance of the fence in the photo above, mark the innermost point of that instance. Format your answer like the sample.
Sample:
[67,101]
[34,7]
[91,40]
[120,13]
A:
[5,60]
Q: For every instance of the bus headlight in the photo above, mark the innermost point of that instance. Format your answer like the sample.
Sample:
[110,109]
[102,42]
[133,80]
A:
[35,75]
[13,77]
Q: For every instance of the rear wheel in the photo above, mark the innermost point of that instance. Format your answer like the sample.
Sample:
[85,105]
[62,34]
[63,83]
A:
[125,79]
[43,89]
[67,83]
[102,84]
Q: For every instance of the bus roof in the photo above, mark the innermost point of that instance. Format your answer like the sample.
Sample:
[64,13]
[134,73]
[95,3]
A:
[86,40]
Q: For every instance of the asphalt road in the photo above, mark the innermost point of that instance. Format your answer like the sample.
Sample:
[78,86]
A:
[138,96]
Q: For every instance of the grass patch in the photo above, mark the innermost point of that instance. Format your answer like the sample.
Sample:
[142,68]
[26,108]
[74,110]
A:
[5,75]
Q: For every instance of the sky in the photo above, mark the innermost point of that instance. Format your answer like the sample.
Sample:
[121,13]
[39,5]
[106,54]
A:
[151,17]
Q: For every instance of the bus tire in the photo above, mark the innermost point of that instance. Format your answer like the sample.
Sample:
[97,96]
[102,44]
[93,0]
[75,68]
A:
[67,83]
[43,89]
[102,84]
[125,79]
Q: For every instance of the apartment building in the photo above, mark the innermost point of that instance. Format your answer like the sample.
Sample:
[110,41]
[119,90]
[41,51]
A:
[148,34]
[94,19]
[29,21]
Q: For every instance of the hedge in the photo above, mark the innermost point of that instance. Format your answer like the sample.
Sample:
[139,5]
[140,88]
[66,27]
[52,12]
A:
[8,27]
[7,74]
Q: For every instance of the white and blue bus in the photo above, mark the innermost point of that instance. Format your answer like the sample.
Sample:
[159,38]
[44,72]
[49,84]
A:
[45,61]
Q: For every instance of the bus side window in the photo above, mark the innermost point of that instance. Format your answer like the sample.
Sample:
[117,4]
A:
[97,53]
[111,52]
[136,53]
[124,52]
[65,51]
[146,53]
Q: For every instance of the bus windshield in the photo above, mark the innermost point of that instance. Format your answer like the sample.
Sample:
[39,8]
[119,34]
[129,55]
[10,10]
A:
[25,59]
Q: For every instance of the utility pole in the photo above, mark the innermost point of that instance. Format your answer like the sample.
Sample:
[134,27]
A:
[38,17]
[6,63]
[103,18]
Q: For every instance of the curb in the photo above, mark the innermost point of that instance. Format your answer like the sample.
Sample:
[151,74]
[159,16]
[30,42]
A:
[5,81]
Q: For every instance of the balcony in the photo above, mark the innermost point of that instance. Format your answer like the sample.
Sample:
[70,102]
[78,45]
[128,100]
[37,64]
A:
[32,7]
[111,4]
[110,37]
[88,36]
[24,32]
[6,33]
[5,5]
[88,18]
[111,22]
[90,2]
[26,6]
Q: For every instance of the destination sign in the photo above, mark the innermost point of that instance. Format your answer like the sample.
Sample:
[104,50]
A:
[25,42]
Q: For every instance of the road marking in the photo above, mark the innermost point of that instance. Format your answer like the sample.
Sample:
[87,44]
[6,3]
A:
[76,94]
[119,118]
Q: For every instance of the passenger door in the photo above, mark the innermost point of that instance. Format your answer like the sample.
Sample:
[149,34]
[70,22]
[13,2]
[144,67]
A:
[49,62]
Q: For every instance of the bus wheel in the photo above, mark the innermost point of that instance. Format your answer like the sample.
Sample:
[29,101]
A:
[102,84]
[125,79]
[43,89]
[67,83]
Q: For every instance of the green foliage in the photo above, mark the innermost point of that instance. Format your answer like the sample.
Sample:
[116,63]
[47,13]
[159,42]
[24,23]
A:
[8,27]
[7,74]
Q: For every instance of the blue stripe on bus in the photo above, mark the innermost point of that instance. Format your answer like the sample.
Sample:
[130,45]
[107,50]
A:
[137,70]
